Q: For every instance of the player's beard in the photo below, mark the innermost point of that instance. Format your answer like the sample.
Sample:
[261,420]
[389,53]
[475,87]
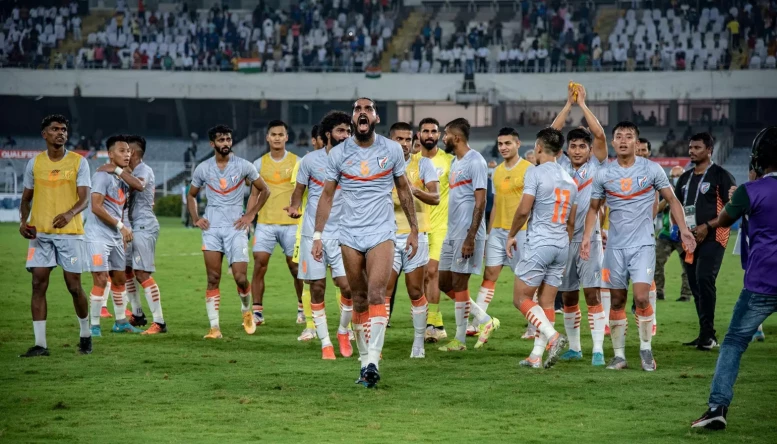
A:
[364,137]
[336,142]
[429,144]
[450,148]
[224,151]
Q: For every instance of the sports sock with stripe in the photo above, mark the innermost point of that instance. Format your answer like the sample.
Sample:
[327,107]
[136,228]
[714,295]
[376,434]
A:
[378,319]
[319,319]
[212,302]
[154,299]
[119,301]
[572,317]
[618,323]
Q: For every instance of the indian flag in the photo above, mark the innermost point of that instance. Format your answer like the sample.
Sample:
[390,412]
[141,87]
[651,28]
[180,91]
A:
[249,65]
[372,72]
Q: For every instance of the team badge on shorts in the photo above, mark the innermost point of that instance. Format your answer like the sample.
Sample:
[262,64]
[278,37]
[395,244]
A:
[382,161]
[73,260]
[642,181]
[597,275]
[649,271]
[704,187]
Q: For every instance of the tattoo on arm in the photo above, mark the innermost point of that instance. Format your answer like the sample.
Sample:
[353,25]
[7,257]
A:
[406,200]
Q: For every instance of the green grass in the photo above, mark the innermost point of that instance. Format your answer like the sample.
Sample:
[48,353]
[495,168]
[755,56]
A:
[180,388]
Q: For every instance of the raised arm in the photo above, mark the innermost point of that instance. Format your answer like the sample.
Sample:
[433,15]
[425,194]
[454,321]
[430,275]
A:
[124,174]
[599,147]
[561,118]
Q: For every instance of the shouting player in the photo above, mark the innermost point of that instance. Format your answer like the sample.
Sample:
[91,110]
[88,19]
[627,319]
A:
[274,226]
[334,129]
[224,226]
[429,136]
[549,195]
[465,242]
[106,235]
[145,233]
[587,152]
[423,183]
[627,186]
[367,167]
[56,188]
[508,181]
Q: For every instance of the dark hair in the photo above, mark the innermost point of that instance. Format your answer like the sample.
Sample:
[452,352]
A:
[400,126]
[114,139]
[374,105]
[706,138]
[330,121]
[314,132]
[551,139]
[427,121]
[276,123]
[58,118]
[218,129]
[580,134]
[461,124]
[138,140]
[508,131]
[626,125]
[646,142]
[764,150]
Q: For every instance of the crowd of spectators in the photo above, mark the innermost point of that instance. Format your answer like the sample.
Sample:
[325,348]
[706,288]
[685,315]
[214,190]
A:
[339,35]
[555,36]
[30,35]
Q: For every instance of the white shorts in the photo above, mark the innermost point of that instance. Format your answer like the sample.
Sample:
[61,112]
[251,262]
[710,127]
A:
[141,251]
[366,243]
[313,270]
[266,237]
[578,272]
[107,255]
[542,264]
[233,243]
[69,254]
[451,259]
[637,264]
[496,252]
[401,260]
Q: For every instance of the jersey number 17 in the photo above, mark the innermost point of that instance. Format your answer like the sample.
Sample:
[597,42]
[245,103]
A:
[562,205]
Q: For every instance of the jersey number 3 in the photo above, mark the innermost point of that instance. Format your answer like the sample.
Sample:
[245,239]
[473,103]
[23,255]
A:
[562,205]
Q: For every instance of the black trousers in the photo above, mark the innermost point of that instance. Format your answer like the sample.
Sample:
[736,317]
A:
[702,274]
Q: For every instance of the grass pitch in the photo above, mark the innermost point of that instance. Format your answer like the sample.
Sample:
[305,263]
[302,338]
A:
[269,387]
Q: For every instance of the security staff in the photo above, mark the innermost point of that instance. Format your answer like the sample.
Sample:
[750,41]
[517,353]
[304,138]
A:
[703,191]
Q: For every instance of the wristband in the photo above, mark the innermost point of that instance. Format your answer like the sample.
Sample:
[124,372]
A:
[118,171]
[120,225]
[317,235]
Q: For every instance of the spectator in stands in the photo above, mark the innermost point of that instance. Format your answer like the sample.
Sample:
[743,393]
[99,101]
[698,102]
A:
[597,58]
[530,157]
[652,120]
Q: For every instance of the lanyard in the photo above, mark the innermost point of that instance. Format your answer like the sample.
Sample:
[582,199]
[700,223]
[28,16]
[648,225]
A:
[698,186]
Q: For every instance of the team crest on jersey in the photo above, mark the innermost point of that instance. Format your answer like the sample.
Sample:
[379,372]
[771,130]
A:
[704,187]
[582,172]
[642,181]
[382,162]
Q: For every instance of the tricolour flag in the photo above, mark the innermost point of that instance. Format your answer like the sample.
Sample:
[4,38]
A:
[249,65]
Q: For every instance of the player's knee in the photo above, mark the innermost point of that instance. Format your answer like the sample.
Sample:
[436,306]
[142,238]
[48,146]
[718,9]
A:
[241,280]
[570,298]
[100,280]
[142,276]
[317,291]
[214,278]
[592,297]
[119,279]
[39,284]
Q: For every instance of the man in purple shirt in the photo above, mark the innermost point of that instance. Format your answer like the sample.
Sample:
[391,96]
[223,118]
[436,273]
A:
[758,201]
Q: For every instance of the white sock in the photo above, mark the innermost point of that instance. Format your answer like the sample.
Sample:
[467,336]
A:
[346,314]
[378,321]
[105,301]
[536,315]
[645,327]
[618,323]
[418,310]
[461,320]
[540,342]
[361,337]
[478,313]
[605,295]
[485,294]
[572,317]
[134,297]
[596,323]
[319,318]
[212,302]
[83,324]
[153,298]
[119,302]
[96,303]
[246,300]
[652,295]
[39,327]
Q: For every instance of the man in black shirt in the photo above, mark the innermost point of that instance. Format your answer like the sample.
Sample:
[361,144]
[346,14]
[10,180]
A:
[703,191]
